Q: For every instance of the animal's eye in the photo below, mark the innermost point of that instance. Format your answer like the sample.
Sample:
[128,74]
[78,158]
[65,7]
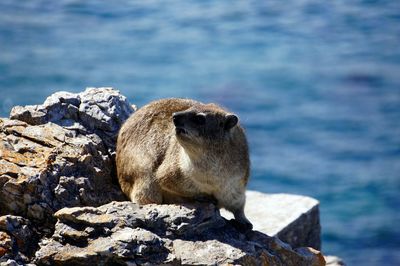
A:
[199,119]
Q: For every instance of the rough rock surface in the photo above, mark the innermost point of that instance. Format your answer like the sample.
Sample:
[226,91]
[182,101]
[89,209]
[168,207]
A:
[47,167]
[18,240]
[124,233]
[96,110]
[59,154]
[292,218]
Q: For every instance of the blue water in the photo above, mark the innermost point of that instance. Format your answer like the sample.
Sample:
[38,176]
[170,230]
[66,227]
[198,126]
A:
[316,84]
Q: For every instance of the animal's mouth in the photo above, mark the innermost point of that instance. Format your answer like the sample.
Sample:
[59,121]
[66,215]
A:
[180,131]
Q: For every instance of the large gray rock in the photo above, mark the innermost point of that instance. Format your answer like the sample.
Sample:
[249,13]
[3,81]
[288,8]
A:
[292,218]
[60,154]
[96,110]
[47,167]
[124,233]
[54,155]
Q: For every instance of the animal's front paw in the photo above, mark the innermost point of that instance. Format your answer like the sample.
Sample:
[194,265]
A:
[243,226]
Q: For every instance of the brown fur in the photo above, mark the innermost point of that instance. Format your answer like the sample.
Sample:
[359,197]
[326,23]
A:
[178,150]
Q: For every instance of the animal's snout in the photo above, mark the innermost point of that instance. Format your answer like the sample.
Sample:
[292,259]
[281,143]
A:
[178,118]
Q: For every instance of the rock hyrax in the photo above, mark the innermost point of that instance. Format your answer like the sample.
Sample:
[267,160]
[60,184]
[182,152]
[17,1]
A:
[180,150]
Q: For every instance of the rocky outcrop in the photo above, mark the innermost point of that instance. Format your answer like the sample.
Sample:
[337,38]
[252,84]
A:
[124,233]
[59,199]
[96,112]
[59,154]
[292,218]
[47,167]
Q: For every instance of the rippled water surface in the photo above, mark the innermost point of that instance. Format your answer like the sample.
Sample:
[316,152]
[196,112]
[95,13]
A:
[316,84]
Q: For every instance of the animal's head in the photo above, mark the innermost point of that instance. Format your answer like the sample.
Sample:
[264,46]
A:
[203,125]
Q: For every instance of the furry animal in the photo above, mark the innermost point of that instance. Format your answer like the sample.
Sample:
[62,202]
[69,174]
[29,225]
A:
[181,150]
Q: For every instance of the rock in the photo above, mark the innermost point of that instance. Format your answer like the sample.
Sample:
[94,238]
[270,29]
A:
[96,110]
[17,239]
[124,233]
[60,154]
[334,261]
[292,218]
[46,167]
[5,244]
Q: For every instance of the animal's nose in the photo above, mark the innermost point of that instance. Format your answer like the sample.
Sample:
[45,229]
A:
[177,118]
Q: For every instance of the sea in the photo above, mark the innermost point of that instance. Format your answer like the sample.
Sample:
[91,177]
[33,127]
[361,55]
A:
[316,85]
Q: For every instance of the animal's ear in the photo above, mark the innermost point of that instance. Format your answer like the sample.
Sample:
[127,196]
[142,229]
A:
[230,121]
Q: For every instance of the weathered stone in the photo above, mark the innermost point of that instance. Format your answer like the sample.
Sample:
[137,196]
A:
[18,239]
[5,243]
[96,110]
[292,218]
[11,262]
[334,261]
[56,155]
[125,233]
[46,167]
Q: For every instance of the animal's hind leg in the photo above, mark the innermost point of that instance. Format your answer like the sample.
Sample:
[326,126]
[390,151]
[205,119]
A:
[146,191]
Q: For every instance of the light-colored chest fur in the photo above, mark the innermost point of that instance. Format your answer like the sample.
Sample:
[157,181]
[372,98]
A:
[211,174]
